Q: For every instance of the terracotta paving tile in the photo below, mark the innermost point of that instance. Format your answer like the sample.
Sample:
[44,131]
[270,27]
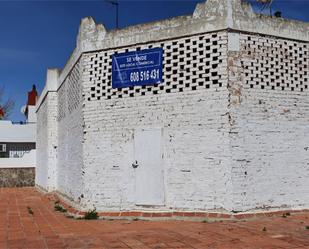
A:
[35,243]
[42,227]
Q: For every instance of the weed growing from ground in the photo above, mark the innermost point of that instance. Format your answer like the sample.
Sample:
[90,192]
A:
[30,210]
[91,215]
[264,229]
[58,208]
[285,215]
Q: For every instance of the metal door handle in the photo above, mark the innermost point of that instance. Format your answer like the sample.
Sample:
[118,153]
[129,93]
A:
[135,164]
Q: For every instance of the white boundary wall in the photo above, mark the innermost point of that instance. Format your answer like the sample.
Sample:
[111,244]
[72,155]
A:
[27,161]
[17,133]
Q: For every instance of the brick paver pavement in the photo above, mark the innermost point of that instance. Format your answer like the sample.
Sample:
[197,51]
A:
[28,220]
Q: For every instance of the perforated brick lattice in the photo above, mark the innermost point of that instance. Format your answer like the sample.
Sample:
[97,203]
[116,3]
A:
[74,88]
[189,64]
[70,92]
[62,102]
[273,63]
[42,120]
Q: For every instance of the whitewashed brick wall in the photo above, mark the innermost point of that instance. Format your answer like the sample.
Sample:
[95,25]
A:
[270,131]
[70,134]
[190,106]
[47,142]
[233,108]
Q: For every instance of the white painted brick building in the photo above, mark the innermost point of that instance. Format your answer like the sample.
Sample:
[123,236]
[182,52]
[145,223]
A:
[228,128]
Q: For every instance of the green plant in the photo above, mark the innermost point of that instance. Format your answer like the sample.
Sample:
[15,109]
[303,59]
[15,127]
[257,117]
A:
[91,215]
[285,215]
[264,229]
[30,210]
[59,208]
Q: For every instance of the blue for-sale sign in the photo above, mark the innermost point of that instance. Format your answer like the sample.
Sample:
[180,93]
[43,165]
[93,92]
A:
[137,68]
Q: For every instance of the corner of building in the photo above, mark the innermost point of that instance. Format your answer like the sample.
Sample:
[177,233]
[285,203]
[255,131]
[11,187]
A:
[47,133]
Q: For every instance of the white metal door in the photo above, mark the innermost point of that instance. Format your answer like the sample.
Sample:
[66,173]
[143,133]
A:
[149,187]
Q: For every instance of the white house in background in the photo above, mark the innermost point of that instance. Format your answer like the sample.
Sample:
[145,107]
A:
[17,140]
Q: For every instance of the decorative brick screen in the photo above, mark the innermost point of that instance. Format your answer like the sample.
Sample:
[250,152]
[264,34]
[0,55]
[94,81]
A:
[189,63]
[69,94]
[275,64]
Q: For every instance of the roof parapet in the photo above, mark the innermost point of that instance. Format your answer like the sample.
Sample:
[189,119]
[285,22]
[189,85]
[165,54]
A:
[210,16]
[51,84]
[239,15]
[89,33]
[52,79]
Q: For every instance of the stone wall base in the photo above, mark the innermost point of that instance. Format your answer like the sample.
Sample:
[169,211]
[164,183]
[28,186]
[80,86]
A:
[17,177]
